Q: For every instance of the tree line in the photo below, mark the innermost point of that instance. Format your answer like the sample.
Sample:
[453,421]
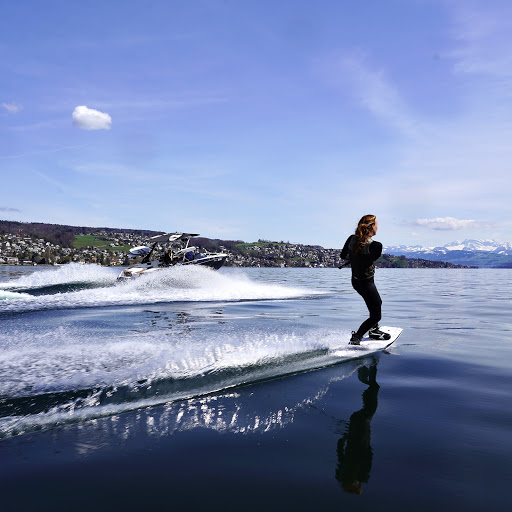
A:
[59,234]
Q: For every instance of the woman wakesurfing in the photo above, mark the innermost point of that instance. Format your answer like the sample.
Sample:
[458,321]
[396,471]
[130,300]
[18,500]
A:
[362,252]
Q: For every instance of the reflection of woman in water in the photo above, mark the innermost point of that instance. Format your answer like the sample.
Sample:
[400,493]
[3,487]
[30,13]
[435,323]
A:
[354,450]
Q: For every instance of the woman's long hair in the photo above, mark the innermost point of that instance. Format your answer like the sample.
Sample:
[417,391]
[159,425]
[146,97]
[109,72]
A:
[364,232]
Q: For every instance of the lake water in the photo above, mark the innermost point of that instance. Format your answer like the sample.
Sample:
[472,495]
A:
[236,390]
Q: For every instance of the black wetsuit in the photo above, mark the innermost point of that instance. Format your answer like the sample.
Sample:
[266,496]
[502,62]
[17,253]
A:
[363,271]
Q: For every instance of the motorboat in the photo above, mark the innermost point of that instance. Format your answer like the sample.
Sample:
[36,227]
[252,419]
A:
[167,250]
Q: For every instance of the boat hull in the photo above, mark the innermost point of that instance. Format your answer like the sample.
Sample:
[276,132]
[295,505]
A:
[214,262]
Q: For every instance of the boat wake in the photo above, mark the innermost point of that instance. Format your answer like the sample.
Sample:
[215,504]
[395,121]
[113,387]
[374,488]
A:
[71,277]
[80,286]
[77,345]
[58,376]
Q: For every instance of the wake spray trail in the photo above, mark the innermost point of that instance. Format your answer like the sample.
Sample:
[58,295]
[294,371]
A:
[70,367]
[176,284]
[60,379]
[66,274]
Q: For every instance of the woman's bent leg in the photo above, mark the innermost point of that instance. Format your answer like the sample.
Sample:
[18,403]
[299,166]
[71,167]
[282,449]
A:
[367,289]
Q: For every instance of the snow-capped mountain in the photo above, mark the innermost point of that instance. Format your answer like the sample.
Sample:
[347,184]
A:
[466,245]
[481,245]
[481,253]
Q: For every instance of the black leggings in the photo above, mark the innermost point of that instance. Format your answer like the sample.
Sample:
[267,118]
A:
[367,289]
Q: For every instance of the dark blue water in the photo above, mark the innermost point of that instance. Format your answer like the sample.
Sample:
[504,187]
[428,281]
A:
[236,390]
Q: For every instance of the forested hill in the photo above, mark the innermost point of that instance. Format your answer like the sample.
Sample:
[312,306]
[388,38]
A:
[59,234]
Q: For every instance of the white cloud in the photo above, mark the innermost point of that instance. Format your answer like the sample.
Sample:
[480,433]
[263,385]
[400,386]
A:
[6,209]
[90,119]
[12,108]
[449,223]
[377,93]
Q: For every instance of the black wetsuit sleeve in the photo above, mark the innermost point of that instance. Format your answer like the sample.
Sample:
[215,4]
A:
[375,250]
[344,252]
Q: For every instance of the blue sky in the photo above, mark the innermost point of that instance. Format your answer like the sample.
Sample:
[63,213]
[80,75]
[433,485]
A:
[247,119]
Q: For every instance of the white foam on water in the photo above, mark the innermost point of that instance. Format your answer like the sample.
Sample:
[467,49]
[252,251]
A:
[62,359]
[8,295]
[70,273]
[174,284]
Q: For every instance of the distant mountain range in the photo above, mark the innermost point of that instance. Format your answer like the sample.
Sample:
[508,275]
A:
[480,253]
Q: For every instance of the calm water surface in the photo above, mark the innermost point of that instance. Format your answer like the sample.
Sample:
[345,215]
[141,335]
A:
[236,390]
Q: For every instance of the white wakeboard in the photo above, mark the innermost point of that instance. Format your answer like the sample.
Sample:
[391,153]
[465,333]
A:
[369,346]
